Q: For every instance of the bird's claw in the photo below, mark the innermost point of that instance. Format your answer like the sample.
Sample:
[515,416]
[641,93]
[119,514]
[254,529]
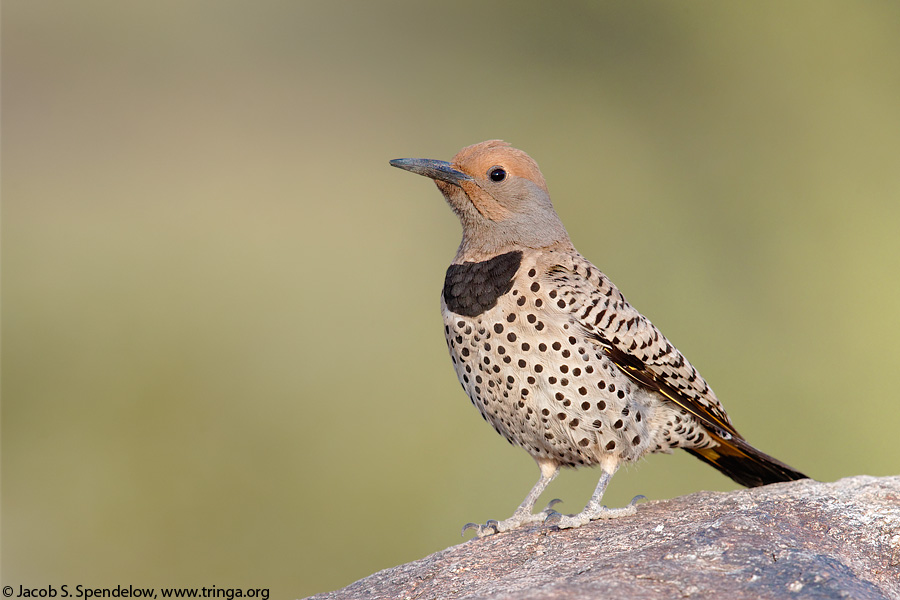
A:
[637,499]
[550,515]
[489,528]
[549,508]
[553,518]
[521,517]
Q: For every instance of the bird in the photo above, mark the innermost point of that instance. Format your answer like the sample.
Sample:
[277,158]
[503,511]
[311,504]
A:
[552,354]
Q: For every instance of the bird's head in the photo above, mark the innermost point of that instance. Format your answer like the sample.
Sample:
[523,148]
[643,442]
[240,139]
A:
[500,197]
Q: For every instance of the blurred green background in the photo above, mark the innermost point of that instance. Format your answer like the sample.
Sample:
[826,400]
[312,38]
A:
[223,359]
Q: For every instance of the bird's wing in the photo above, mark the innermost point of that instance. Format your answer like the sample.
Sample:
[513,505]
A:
[633,343]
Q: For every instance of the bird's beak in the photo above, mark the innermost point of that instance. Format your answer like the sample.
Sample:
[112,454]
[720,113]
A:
[438,170]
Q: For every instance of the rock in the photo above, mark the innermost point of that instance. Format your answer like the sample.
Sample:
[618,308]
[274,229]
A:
[795,540]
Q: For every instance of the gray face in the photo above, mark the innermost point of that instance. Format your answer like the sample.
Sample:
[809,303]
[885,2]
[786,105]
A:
[500,197]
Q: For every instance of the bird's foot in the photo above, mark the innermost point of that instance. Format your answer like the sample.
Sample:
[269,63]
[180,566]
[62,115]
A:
[521,517]
[592,513]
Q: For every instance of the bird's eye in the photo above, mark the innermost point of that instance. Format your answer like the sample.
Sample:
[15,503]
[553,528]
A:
[497,174]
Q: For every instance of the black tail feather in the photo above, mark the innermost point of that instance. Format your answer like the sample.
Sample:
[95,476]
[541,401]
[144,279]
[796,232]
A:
[745,464]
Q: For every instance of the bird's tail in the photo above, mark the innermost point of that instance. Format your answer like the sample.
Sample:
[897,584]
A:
[743,463]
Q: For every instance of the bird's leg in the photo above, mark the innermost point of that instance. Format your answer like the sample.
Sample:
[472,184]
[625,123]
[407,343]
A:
[594,510]
[523,515]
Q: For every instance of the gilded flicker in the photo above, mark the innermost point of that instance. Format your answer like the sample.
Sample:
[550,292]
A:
[551,353]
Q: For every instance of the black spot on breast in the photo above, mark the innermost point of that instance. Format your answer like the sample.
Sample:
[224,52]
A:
[473,288]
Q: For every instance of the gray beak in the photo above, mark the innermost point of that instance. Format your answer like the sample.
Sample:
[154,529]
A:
[434,169]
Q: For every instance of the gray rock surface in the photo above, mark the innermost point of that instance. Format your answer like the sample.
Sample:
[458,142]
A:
[795,540]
